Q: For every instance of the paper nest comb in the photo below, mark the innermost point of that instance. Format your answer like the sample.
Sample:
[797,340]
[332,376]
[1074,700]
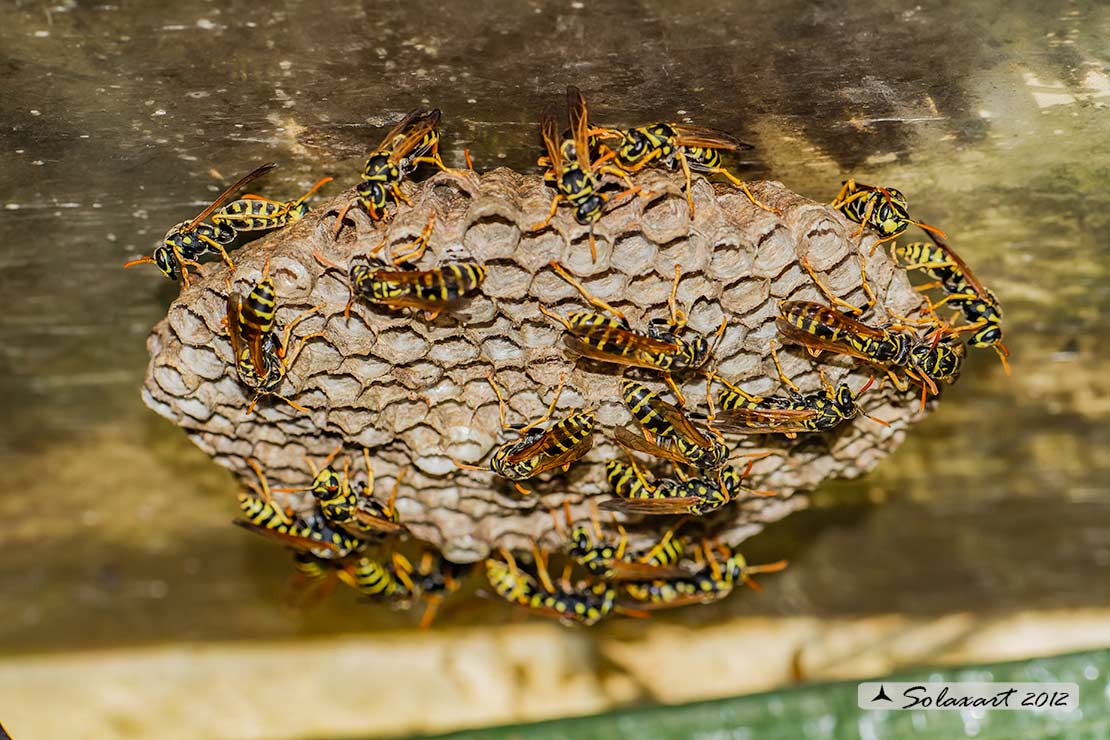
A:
[414,392]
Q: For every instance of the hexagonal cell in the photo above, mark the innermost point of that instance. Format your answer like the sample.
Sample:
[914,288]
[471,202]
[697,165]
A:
[745,295]
[493,237]
[506,279]
[400,346]
[665,219]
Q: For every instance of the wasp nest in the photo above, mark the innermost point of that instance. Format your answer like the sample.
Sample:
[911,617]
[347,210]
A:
[414,391]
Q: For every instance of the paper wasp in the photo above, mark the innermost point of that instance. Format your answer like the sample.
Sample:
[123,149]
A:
[255,213]
[891,347]
[676,144]
[980,308]
[261,355]
[538,450]
[712,582]
[352,506]
[684,495]
[404,286]
[614,562]
[584,603]
[686,444]
[797,412]
[188,241]
[610,338]
[573,170]
[311,534]
[412,142]
[695,496]
[883,209]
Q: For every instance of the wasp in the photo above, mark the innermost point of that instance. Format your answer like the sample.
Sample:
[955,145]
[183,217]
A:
[684,495]
[883,209]
[188,241]
[412,142]
[584,603]
[259,351]
[352,506]
[614,562]
[818,328]
[402,285]
[712,582]
[608,337]
[573,170]
[537,450]
[979,306]
[891,347]
[311,534]
[797,412]
[679,145]
[686,444]
[255,213]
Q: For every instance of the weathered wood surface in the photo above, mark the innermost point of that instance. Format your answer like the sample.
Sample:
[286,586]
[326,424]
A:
[990,117]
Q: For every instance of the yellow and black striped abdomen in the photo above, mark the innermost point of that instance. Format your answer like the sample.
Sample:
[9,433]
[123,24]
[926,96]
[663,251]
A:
[570,431]
[261,515]
[623,479]
[603,333]
[814,319]
[643,405]
[511,585]
[252,215]
[701,157]
[373,578]
[450,282]
[257,310]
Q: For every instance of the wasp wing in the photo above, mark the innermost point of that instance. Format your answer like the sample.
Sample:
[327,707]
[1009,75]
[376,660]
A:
[623,570]
[549,130]
[652,506]
[630,439]
[566,457]
[254,174]
[413,135]
[709,138]
[640,352]
[399,128]
[769,421]
[579,126]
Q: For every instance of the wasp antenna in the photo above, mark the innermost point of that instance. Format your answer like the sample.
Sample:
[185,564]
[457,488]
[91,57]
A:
[139,261]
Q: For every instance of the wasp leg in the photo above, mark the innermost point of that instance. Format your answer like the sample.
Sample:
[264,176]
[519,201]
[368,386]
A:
[782,376]
[857,310]
[398,195]
[843,196]
[674,387]
[954,297]
[219,248]
[340,216]
[681,156]
[590,298]
[551,214]
[418,247]
[743,186]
